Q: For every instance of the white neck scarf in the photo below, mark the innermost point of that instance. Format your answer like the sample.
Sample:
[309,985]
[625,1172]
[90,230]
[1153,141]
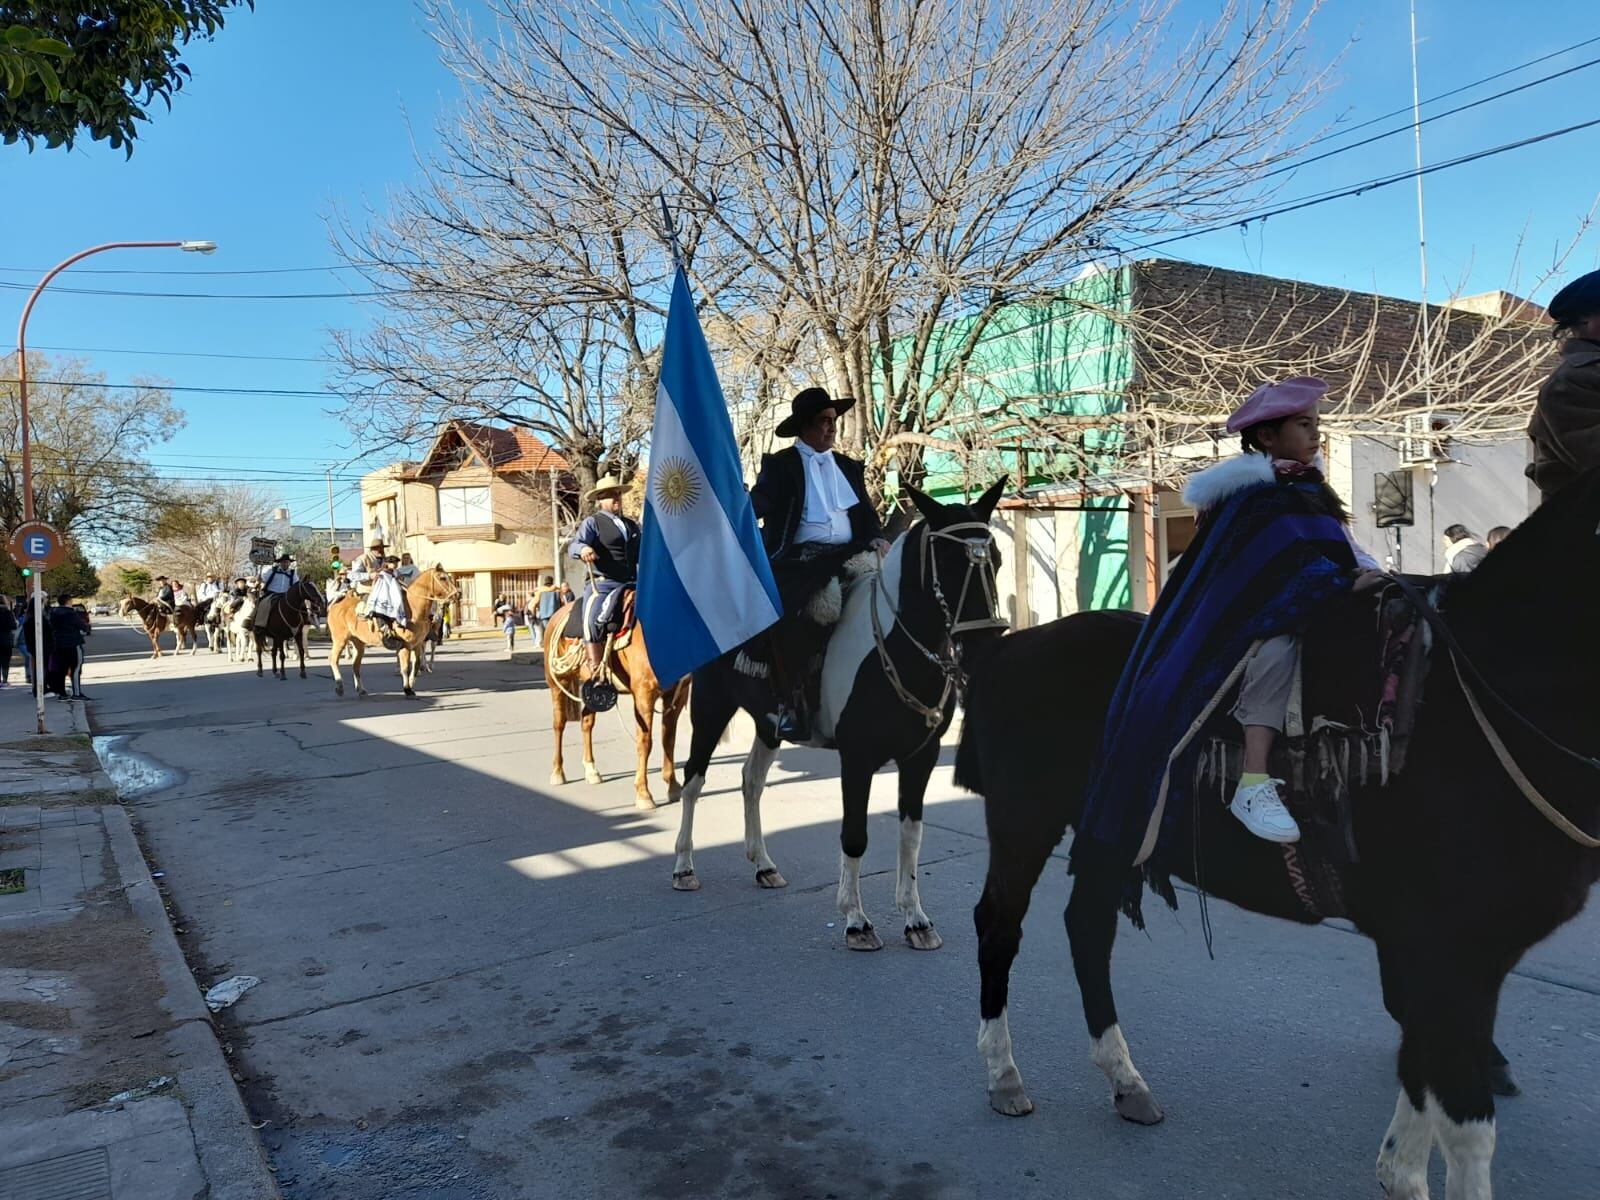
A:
[827,490]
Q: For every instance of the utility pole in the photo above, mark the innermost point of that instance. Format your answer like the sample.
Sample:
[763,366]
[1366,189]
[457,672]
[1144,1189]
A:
[1423,327]
[332,541]
[555,532]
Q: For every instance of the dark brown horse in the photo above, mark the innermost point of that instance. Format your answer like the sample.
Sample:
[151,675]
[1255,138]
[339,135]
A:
[1460,871]
[566,667]
[153,616]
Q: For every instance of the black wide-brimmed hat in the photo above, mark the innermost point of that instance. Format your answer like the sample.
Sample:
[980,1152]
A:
[1579,299]
[807,405]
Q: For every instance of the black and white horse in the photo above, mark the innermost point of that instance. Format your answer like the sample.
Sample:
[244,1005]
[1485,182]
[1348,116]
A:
[291,613]
[889,684]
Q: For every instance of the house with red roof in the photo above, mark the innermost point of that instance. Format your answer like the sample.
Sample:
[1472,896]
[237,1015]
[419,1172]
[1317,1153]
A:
[490,504]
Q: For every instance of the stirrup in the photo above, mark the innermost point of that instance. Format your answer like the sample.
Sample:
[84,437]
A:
[598,695]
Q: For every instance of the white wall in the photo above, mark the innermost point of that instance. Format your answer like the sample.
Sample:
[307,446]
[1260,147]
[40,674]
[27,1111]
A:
[1483,487]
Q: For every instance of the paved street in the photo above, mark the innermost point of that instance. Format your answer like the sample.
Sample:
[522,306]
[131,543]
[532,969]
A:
[477,985]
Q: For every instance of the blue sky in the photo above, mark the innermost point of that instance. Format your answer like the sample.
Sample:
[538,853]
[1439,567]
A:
[302,106]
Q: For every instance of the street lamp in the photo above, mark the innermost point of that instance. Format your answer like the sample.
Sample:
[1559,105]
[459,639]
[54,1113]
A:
[199,247]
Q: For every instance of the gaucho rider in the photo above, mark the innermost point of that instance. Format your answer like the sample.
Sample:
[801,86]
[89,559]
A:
[368,567]
[815,515]
[608,543]
[387,602]
[165,597]
[276,580]
[1272,552]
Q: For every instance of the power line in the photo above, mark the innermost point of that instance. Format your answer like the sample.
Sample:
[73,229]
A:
[290,393]
[180,353]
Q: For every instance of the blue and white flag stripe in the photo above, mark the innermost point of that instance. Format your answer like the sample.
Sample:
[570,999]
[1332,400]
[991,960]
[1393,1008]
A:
[705,586]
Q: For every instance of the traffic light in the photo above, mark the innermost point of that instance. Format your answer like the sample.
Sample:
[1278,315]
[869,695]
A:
[336,565]
[27,572]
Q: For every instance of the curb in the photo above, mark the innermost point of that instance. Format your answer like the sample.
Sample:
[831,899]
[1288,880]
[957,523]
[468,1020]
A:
[231,1155]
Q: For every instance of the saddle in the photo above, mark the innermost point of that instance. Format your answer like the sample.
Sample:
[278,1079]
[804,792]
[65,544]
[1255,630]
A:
[1352,712]
[617,627]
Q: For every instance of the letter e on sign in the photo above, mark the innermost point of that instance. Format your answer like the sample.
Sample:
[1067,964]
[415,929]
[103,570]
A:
[37,544]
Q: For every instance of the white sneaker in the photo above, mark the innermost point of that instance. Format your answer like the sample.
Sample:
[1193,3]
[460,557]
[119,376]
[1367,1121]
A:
[1260,808]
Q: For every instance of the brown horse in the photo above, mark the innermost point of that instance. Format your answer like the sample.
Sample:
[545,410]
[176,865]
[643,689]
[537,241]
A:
[566,667]
[345,628]
[154,618]
[186,620]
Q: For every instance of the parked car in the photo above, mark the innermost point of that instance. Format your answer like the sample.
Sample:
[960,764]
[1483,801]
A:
[102,610]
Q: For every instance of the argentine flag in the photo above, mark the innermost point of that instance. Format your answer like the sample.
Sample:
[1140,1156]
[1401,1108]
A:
[704,583]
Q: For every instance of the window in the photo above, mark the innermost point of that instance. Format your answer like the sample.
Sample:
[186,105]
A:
[464,506]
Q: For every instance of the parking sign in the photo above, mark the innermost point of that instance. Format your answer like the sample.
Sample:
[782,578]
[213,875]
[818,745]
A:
[37,544]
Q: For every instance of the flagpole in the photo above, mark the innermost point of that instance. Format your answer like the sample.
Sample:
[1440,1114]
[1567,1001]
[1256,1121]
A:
[671,230]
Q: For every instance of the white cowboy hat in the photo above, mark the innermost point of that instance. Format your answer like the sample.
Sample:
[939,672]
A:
[608,485]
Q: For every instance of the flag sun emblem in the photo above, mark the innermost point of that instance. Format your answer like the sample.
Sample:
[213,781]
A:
[677,486]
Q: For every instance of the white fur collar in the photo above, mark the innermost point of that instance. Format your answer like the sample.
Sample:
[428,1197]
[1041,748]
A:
[1215,484]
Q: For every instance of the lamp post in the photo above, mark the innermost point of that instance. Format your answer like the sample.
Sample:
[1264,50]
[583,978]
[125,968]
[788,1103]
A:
[27,453]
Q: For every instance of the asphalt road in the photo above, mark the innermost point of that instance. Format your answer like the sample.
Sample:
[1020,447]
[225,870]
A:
[477,985]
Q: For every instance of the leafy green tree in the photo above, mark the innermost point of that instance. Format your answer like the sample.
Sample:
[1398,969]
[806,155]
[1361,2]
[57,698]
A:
[311,559]
[95,66]
[135,581]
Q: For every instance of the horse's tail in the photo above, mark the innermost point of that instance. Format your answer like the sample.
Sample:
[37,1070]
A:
[968,774]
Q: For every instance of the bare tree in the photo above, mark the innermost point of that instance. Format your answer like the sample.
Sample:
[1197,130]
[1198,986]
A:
[91,476]
[207,531]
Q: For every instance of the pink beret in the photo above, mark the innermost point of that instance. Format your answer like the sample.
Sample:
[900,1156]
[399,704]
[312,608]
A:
[1272,401]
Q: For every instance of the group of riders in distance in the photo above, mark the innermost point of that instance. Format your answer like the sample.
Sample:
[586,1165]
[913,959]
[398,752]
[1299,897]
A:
[1261,734]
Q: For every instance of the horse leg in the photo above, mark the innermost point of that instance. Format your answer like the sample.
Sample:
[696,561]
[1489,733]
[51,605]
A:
[914,774]
[300,645]
[335,653]
[855,780]
[753,781]
[1091,919]
[669,736]
[591,773]
[355,665]
[711,708]
[1445,1040]
[1501,1081]
[408,671]
[1013,871]
[559,708]
[644,719]
[261,645]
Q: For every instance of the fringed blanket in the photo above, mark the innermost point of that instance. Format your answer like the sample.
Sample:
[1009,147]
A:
[1268,559]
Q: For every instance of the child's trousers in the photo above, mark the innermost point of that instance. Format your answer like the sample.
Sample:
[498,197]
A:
[1268,680]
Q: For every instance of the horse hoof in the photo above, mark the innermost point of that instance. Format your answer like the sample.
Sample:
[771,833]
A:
[1010,1101]
[644,803]
[1140,1107]
[1501,1082]
[674,793]
[411,693]
[338,689]
[769,878]
[862,939]
[685,881]
[590,775]
[923,938]
[557,778]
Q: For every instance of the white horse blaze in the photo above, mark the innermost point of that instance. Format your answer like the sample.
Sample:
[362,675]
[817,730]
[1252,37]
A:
[994,1043]
[906,895]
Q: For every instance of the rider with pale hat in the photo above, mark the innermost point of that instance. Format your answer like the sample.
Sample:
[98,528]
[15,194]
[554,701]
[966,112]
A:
[608,544]
[276,580]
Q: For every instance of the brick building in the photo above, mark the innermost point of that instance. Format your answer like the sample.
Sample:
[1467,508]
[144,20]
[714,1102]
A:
[486,503]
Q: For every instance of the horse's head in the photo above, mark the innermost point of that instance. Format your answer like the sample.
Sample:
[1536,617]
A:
[955,562]
[438,584]
[127,607]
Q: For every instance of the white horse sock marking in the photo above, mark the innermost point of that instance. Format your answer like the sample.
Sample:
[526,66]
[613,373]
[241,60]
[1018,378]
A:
[685,845]
[1109,1052]
[756,765]
[849,900]
[1403,1157]
[994,1043]
[907,896]
[1468,1149]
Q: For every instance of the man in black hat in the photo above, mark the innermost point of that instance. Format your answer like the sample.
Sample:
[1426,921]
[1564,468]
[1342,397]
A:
[277,579]
[165,596]
[1566,422]
[815,515]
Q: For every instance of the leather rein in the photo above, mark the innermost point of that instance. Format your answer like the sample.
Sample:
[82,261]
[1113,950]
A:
[978,543]
[1469,676]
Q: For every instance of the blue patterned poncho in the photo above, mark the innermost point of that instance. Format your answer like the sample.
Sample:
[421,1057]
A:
[1267,559]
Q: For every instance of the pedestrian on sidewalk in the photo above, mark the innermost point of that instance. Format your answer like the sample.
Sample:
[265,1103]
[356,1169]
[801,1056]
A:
[549,600]
[68,631]
[509,620]
[8,640]
[22,609]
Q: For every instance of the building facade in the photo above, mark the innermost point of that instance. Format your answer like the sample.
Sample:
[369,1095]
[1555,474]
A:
[490,505]
[1090,525]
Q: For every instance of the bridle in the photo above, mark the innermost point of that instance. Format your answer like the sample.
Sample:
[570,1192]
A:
[979,548]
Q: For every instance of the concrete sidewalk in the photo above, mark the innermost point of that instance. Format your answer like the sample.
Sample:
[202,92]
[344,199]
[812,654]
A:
[112,1083]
